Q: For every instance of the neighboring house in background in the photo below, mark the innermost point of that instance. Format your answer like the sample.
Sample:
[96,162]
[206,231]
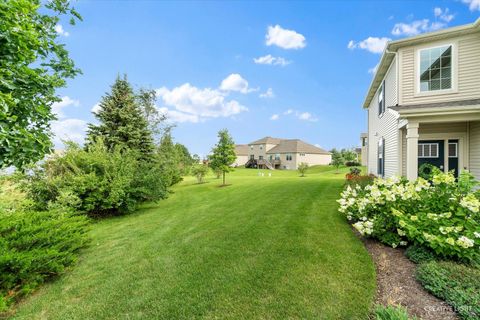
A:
[364,148]
[424,104]
[241,151]
[274,153]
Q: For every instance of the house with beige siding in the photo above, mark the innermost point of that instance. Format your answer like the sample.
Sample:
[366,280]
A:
[275,153]
[241,151]
[424,104]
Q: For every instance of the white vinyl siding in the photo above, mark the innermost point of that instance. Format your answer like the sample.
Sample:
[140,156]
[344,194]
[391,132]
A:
[384,127]
[474,140]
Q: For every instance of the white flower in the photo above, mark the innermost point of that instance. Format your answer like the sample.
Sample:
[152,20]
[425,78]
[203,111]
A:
[476,234]
[471,203]
[403,243]
[465,242]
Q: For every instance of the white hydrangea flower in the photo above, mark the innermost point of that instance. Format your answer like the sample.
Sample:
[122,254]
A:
[465,242]
[471,203]
[476,234]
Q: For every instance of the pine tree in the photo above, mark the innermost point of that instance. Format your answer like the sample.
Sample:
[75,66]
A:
[122,122]
[223,154]
[168,159]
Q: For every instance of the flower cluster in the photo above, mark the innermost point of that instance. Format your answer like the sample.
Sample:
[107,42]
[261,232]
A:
[439,214]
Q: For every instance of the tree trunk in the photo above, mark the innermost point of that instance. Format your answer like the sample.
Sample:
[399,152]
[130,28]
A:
[223,177]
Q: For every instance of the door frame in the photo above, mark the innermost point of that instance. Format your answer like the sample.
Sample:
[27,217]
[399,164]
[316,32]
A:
[462,137]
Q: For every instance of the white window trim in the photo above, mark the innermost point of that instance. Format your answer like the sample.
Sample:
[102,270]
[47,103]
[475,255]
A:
[456,149]
[454,67]
[381,90]
[430,156]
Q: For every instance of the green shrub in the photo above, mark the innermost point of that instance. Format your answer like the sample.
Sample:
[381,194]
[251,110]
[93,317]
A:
[35,246]
[96,181]
[200,171]
[441,215]
[419,254]
[302,168]
[427,171]
[392,313]
[457,284]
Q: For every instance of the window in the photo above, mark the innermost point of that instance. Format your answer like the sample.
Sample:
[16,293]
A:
[436,69]
[289,157]
[260,157]
[453,150]
[428,150]
[261,147]
[302,154]
[381,157]
[381,99]
[364,142]
[252,157]
[251,147]
[277,156]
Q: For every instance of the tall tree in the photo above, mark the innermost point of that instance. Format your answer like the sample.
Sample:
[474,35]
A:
[33,64]
[122,121]
[337,159]
[147,99]
[168,160]
[223,154]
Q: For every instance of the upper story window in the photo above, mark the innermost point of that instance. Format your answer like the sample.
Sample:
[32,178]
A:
[261,147]
[302,154]
[277,156]
[436,68]
[381,99]
[364,142]
[288,157]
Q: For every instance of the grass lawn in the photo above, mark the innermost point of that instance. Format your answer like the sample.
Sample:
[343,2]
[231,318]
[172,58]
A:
[264,247]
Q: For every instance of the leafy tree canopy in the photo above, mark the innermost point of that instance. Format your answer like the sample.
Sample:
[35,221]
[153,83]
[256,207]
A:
[223,154]
[33,64]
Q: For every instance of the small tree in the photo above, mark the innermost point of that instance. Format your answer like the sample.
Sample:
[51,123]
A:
[302,168]
[337,159]
[223,154]
[199,171]
[348,155]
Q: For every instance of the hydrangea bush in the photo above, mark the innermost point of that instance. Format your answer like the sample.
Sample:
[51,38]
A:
[441,214]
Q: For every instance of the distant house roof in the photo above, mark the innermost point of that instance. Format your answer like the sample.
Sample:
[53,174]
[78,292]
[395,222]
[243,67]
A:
[267,140]
[241,150]
[296,146]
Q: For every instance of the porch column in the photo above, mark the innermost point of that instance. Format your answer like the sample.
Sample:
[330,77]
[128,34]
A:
[412,150]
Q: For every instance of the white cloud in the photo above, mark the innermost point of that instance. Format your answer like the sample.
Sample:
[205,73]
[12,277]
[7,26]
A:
[443,14]
[268,94]
[416,27]
[57,107]
[371,44]
[177,116]
[189,103]
[472,4]
[235,82]
[271,60]
[274,117]
[284,38]
[305,116]
[60,31]
[374,69]
[68,129]
[96,108]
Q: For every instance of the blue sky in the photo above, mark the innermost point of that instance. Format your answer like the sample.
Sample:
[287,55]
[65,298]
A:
[289,70]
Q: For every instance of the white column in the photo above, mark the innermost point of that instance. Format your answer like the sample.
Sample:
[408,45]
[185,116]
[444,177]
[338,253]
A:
[412,150]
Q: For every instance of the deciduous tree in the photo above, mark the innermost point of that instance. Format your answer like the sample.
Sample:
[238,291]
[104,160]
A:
[223,154]
[33,64]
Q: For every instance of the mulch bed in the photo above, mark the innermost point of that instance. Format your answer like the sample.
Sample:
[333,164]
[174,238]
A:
[396,284]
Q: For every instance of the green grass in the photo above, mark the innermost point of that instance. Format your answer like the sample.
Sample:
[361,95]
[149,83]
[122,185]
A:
[263,247]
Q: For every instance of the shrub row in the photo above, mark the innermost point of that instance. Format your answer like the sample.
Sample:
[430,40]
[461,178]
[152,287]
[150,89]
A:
[441,215]
[96,181]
